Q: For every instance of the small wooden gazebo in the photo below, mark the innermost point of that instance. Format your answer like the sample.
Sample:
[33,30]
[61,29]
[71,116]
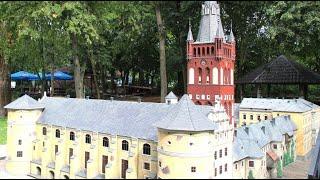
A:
[280,71]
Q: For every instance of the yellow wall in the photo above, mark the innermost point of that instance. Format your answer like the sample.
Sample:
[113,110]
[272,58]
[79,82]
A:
[21,126]
[114,152]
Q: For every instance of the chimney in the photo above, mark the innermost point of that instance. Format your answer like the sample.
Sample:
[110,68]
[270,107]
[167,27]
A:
[263,128]
[247,130]
[111,98]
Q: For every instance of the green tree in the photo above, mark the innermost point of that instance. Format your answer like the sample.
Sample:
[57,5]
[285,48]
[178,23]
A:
[279,169]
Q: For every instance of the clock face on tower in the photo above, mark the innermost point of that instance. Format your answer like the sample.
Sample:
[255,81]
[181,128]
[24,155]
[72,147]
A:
[203,62]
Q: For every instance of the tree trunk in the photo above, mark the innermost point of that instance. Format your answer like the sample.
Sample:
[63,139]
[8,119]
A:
[78,77]
[52,82]
[94,71]
[5,96]
[162,36]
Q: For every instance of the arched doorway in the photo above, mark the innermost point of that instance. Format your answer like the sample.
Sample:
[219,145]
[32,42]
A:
[51,173]
[38,171]
[66,177]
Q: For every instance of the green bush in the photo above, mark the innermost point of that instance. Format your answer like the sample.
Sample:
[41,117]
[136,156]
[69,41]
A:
[279,170]
[3,131]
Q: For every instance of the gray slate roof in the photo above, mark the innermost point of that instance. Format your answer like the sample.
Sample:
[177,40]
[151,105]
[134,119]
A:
[171,95]
[209,26]
[186,116]
[123,118]
[249,145]
[283,105]
[25,102]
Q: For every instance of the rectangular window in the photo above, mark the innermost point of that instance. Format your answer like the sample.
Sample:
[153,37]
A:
[215,171]
[251,163]
[193,169]
[244,116]
[104,163]
[220,170]
[275,146]
[146,166]
[159,163]
[220,153]
[265,117]
[236,166]
[215,155]
[258,117]
[34,148]
[56,149]
[225,151]
[87,157]
[225,167]
[19,153]
[251,117]
[70,154]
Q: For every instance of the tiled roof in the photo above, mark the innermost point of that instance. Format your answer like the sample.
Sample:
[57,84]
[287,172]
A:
[273,155]
[283,105]
[186,116]
[250,144]
[24,102]
[123,118]
[280,71]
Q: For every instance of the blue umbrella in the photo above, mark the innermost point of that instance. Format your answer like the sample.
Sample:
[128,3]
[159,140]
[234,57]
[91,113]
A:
[58,75]
[23,75]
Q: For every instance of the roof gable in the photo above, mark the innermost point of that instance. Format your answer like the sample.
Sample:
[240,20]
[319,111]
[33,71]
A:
[24,103]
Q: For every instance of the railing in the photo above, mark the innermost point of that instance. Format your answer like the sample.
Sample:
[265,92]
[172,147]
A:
[314,169]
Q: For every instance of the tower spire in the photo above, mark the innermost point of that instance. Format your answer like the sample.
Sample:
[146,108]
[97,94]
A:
[190,37]
[231,38]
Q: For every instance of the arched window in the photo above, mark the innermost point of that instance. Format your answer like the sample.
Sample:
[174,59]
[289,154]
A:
[231,76]
[194,52]
[208,51]
[146,149]
[203,51]
[125,145]
[215,75]
[20,142]
[198,51]
[191,76]
[199,75]
[221,76]
[212,50]
[57,133]
[72,136]
[207,75]
[88,139]
[105,142]
[44,131]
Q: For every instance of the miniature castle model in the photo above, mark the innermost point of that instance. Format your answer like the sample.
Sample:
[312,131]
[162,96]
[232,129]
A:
[211,60]
[83,138]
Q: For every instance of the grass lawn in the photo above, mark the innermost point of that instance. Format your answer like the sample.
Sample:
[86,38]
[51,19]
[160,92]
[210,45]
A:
[3,131]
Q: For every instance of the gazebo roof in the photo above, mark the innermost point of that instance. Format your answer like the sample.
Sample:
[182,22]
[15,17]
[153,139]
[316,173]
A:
[280,71]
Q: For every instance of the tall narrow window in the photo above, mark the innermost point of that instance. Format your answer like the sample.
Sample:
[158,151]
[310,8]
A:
[44,131]
[104,163]
[207,75]
[203,51]
[215,155]
[220,169]
[146,149]
[251,163]
[88,139]
[225,151]
[194,52]
[20,142]
[125,145]
[212,50]
[215,171]
[198,51]
[225,167]
[56,149]
[57,133]
[208,51]
[86,158]
[70,154]
[220,153]
[72,136]
[199,75]
[105,142]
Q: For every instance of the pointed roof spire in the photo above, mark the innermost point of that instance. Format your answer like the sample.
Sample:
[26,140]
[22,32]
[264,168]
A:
[220,33]
[190,37]
[231,36]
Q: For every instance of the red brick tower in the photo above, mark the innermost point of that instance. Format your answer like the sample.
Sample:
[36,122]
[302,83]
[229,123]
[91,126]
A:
[211,61]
